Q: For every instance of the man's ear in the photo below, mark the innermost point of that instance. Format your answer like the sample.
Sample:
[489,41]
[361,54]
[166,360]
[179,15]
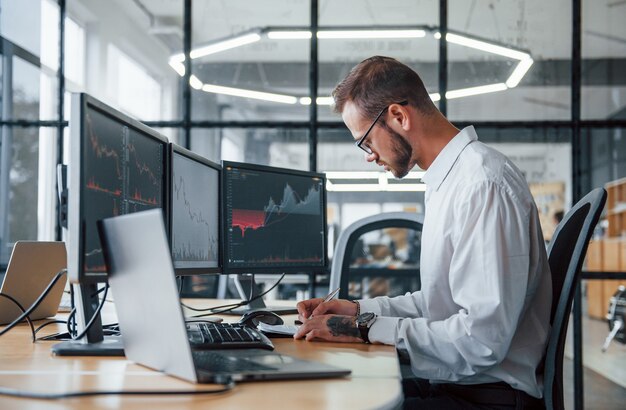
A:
[400,116]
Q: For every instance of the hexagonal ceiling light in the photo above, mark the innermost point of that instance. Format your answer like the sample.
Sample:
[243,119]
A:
[523,57]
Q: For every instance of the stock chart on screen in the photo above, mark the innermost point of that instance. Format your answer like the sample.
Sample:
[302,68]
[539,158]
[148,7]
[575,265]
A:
[123,173]
[274,218]
[195,213]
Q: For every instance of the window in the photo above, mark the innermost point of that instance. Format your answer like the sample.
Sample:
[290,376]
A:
[131,87]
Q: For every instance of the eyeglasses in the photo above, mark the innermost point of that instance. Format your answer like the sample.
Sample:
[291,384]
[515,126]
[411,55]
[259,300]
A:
[361,140]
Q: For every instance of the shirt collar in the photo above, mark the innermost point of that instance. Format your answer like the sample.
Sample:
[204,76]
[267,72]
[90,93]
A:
[443,163]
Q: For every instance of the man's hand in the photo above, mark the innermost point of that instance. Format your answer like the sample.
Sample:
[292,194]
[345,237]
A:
[317,307]
[330,328]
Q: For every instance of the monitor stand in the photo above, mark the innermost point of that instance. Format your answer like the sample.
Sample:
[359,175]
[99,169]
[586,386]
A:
[244,283]
[94,343]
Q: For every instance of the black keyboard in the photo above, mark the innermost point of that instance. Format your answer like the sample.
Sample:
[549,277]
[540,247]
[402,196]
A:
[226,336]
[216,362]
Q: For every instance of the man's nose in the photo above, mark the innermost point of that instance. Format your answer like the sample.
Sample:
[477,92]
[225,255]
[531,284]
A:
[371,157]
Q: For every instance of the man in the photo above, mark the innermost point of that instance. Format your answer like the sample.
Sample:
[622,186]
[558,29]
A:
[478,328]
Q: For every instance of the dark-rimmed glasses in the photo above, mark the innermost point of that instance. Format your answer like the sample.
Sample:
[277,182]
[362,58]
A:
[360,141]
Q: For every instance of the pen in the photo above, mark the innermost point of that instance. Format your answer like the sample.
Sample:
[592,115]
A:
[328,297]
[331,295]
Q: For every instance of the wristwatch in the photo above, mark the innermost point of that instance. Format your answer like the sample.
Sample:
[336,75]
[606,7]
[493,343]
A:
[363,322]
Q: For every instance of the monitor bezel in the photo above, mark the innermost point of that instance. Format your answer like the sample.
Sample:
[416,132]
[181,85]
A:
[177,149]
[80,103]
[318,268]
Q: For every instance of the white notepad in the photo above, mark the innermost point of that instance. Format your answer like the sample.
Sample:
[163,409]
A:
[289,330]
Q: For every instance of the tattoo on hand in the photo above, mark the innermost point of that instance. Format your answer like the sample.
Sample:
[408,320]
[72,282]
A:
[342,326]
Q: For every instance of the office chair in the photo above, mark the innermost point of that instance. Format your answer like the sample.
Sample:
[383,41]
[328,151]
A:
[565,255]
[349,237]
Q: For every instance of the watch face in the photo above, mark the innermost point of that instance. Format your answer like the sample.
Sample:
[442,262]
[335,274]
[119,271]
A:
[365,317]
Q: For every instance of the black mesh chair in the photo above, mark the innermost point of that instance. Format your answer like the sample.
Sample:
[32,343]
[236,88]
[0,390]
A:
[565,255]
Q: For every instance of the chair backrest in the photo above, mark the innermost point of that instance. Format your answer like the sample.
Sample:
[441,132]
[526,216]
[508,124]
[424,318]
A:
[565,255]
[349,236]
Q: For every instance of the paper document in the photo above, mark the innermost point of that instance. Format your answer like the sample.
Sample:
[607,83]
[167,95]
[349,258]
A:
[278,329]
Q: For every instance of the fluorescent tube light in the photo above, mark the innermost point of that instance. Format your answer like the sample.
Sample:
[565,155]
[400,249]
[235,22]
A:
[370,174]
[375,187]
[195,82]
[319,100]
[484,46]
[288,35]
[483,89]
[354,34]
[178,67]
[435,97]
[519,72]
[224,45]
[257,95]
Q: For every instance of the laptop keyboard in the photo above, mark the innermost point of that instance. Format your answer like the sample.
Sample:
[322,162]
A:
[226,336]
[216,362]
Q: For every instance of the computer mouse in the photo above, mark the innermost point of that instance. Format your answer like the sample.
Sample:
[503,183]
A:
[253,318]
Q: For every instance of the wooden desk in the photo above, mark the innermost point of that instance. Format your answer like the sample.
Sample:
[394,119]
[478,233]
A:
[374,382]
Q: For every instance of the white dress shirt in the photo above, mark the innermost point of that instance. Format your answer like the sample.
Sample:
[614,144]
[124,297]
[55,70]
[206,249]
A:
[483,312]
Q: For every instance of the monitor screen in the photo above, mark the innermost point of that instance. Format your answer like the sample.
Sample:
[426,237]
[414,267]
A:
[275,219]
[117,166]
[194,213]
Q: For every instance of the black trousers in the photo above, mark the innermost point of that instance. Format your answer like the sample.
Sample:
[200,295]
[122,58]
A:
[420,394]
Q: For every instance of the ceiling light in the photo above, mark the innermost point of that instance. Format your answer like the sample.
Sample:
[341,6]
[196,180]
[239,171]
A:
[370,175]
[177,60]
[380,182]
[483,89]
[257,95]
[224,45]
[485,46]
[195,82]
[318,100]
[374,187]
[435,97]
[354,34]
[177,66]
[519,72]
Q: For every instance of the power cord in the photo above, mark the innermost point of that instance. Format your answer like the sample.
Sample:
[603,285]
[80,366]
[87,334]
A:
[5,391]
[227,308]
[41,297]
[72,317]
[19,305]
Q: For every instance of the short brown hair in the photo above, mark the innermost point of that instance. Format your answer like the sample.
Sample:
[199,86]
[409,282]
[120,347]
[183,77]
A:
[378,82]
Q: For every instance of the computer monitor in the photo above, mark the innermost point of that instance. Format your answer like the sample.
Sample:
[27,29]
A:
[117,166]
[194,213]
[274,221]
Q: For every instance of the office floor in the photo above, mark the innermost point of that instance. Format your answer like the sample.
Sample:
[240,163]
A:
[604,373]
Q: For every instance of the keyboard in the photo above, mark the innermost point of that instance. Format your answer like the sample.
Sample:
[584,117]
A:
[221,363]
[226,336]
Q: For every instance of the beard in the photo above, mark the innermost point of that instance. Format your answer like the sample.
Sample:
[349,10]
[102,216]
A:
[402,155]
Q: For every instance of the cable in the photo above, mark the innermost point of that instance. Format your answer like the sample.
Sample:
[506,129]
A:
[49,323]
[71,319]
[252,284]
[35,304]
[95,315]
[233,306]
[5,391]
[19,305]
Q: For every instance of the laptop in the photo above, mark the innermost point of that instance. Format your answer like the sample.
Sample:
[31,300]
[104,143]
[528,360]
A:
[31,268]
[151,320]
